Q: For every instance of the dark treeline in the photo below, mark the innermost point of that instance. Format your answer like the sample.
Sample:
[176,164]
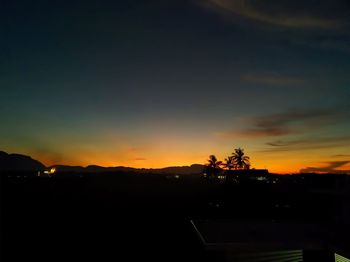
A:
[237,161]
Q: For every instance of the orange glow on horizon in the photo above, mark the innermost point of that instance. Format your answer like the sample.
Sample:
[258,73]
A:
[175,152]
[280,166]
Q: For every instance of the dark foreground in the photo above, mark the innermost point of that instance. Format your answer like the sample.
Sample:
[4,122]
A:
[134,217]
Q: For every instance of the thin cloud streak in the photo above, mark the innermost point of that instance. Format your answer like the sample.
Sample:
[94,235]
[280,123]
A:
[290,122]
[331,167]
[293,18]
[311,143]
[341,156]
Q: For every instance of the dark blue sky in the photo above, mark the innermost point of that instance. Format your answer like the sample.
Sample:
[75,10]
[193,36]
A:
[169,82]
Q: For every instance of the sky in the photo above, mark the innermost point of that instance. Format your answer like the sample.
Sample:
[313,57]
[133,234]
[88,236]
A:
[163,83]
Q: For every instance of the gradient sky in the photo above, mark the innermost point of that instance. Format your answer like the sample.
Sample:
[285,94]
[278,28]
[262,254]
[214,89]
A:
[162,83]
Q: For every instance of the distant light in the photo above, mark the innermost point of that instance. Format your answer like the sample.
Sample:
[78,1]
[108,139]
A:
[49,172]
[177,176]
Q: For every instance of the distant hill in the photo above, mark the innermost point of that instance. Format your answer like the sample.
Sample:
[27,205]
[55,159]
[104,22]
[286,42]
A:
[179,170]
[92,169]
[17,162]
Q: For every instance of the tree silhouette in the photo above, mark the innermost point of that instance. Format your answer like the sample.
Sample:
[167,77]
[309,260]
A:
[213,162]
[228,163]
[240,161]
[213,165]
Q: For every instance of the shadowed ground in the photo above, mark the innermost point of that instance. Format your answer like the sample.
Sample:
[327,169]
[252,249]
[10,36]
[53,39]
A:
[110,217]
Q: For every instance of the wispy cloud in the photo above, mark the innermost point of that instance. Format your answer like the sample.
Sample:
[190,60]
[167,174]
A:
[310,143]
[323,25]
[331,167]
[290,122]
[281,13]
[341,156]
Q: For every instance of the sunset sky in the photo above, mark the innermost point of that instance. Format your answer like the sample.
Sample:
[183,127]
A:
[163,83]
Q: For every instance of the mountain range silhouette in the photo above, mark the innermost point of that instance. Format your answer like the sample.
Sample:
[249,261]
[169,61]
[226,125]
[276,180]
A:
[18,162]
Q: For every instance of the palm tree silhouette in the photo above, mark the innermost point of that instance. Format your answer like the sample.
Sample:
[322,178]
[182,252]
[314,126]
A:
[228,163]
[240,161]
[213,162]
[213,165]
